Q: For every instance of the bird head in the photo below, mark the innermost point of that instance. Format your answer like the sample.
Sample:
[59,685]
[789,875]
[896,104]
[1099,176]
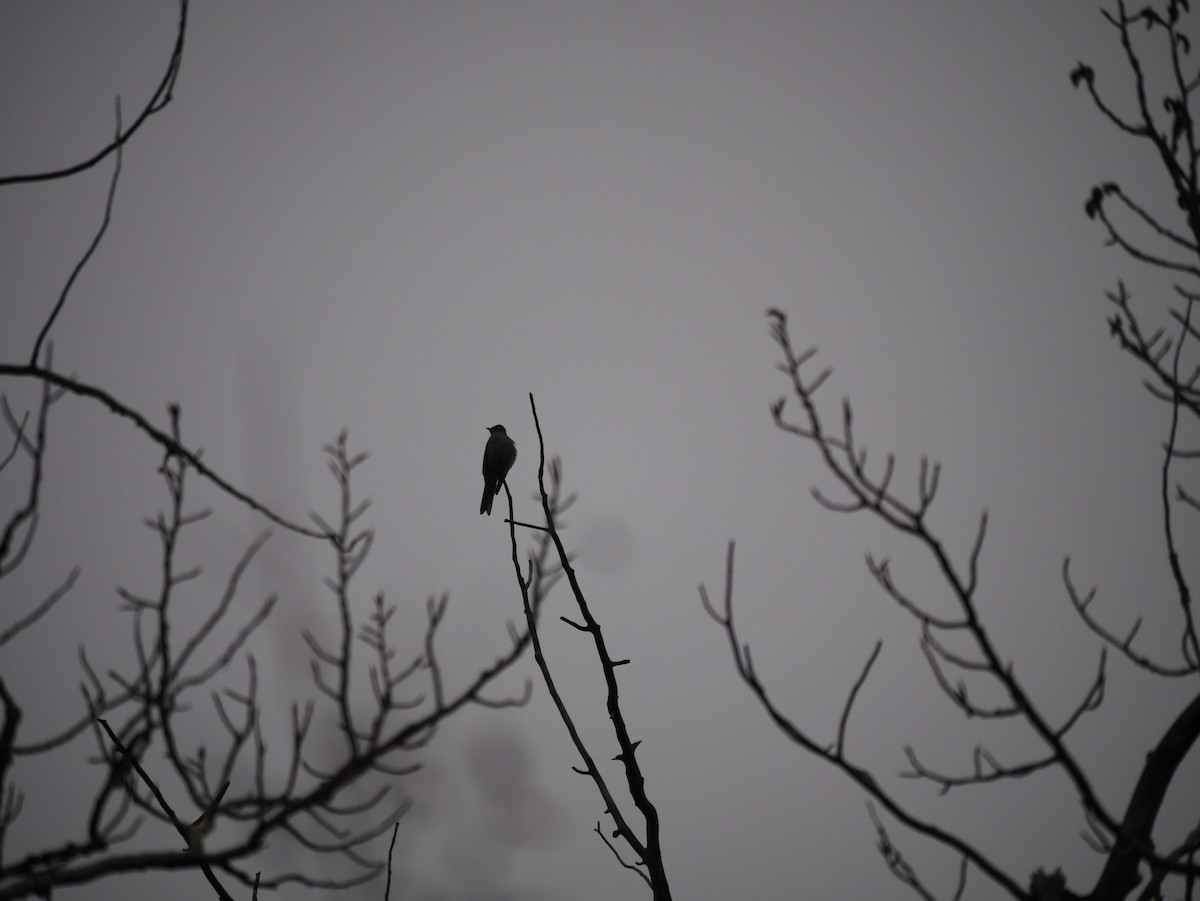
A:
[497,430]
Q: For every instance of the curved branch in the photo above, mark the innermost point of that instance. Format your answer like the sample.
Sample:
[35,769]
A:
[161,438]
[158,101]
[1120,874]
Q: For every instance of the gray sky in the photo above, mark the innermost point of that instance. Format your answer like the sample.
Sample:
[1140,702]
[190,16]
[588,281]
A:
[402,218]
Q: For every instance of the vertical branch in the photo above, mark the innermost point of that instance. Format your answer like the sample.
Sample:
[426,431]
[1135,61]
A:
[351,548]
[532,592]
[649,850]
[1191,651]
[21,525]
[8,740]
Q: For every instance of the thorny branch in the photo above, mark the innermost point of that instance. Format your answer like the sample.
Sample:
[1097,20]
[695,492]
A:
[647,849]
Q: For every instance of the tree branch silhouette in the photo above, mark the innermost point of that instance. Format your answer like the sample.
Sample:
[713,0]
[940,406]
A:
[647,847]
[332,802]
[159,99]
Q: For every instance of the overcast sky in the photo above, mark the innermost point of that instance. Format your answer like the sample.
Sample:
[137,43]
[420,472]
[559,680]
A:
[402,218]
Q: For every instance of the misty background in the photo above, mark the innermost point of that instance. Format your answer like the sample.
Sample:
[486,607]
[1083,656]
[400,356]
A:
[402,218]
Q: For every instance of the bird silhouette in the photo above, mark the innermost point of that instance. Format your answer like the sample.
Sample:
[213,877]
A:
[498,457]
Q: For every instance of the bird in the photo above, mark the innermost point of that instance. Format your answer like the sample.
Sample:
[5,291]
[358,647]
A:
[499,454]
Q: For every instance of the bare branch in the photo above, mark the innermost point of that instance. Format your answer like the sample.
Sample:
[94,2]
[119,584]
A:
[647,849]
[87,254]
[157,435]
[158,101]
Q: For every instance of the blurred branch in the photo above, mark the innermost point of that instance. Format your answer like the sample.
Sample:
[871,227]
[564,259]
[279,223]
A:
[41,609]
[87,254]
[22,524]
[183,830]
[902,869]
[158,436]
[1169,126]
[8,738]
[244,794]
[1082,604]
[1172,134]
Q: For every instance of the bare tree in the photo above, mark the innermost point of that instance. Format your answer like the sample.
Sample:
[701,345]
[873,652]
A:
[963,657]
[164,799]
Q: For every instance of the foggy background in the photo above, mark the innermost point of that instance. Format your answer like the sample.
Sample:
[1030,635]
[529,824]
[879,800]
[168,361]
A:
[401,218]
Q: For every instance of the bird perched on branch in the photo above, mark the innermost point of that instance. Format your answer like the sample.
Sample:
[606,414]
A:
[498,457]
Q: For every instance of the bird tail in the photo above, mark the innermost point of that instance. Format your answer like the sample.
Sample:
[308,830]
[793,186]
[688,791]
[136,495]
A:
[485,505]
